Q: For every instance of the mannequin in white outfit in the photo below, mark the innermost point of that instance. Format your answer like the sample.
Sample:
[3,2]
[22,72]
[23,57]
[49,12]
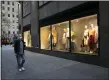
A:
[64,39]
[86,38]
[67,39]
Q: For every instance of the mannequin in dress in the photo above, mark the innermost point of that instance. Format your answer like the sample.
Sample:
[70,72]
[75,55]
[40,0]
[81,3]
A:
[64,39]
[28,38]
[92,38]
[67,39]
[54,33]
[86,38]
[49,39]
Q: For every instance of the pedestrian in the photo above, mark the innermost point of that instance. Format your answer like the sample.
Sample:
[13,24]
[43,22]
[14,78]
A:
[19,47]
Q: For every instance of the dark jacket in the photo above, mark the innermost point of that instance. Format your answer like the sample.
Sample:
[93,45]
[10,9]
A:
[17,46]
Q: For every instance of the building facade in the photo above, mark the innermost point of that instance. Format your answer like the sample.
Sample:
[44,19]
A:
[76,30]
[9,18]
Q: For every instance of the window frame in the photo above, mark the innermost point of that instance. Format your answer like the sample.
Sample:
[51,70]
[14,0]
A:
[12,9]
[13,32]
[3,2]
[8,8]
[13,15]
[8,15]
[8,2]
[13,3]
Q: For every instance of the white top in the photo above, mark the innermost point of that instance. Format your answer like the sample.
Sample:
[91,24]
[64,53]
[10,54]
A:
[64,35]
[86,32]
[67,34]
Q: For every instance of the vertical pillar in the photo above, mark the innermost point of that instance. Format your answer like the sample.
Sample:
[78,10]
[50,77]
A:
[34,24]
[21,17]
[104,28]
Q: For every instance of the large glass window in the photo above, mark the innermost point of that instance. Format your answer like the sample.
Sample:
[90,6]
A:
[84,35]
[27,38]
[60,36]
[45,37]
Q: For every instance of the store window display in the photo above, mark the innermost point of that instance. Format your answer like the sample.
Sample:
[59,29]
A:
[45,37]
[85,38]
[54,37]
[27,38]
[60,36]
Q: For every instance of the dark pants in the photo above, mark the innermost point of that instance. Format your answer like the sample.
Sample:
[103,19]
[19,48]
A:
[20,60]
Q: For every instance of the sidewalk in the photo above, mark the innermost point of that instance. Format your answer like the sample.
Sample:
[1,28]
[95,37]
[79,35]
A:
[40,66]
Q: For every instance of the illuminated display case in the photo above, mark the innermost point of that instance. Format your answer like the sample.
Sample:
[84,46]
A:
[77,35]
[27,38]
[85,38]
[45,37]
[60,36]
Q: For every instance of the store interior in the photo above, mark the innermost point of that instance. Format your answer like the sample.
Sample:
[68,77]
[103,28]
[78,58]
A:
[59,32]
[86,35]
[27,38]
[45,37]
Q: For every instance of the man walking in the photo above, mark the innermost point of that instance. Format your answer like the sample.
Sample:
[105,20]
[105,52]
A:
[19,47]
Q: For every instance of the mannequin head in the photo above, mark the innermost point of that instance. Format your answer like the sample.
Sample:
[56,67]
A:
[91,26]
[67,29]
[64,30]
[86,26]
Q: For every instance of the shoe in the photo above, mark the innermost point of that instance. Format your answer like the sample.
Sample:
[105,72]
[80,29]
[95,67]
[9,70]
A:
[91,52]
[23,68]
[19,70]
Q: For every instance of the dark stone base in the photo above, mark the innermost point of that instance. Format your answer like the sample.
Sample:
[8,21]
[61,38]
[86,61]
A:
[85,58]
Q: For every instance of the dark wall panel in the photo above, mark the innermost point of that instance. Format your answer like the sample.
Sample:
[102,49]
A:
[57,6]
[26,8]
[26,20]
[104,28]
[34,24]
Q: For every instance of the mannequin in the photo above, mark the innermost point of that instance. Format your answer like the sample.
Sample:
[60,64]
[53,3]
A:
[28,38]
[92,38]
[73,44]
[49,39]
[64,39]
[86,38]
[54,33]
[67,39]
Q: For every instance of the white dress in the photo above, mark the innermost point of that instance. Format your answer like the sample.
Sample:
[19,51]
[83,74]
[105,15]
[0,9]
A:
[64,38]
[86,38]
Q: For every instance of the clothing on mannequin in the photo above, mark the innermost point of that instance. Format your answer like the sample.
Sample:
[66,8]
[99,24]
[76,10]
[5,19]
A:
[49,39]
[67,39]
[86,38]
[54,34]
[28,38]
[92,38]
[64,39]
